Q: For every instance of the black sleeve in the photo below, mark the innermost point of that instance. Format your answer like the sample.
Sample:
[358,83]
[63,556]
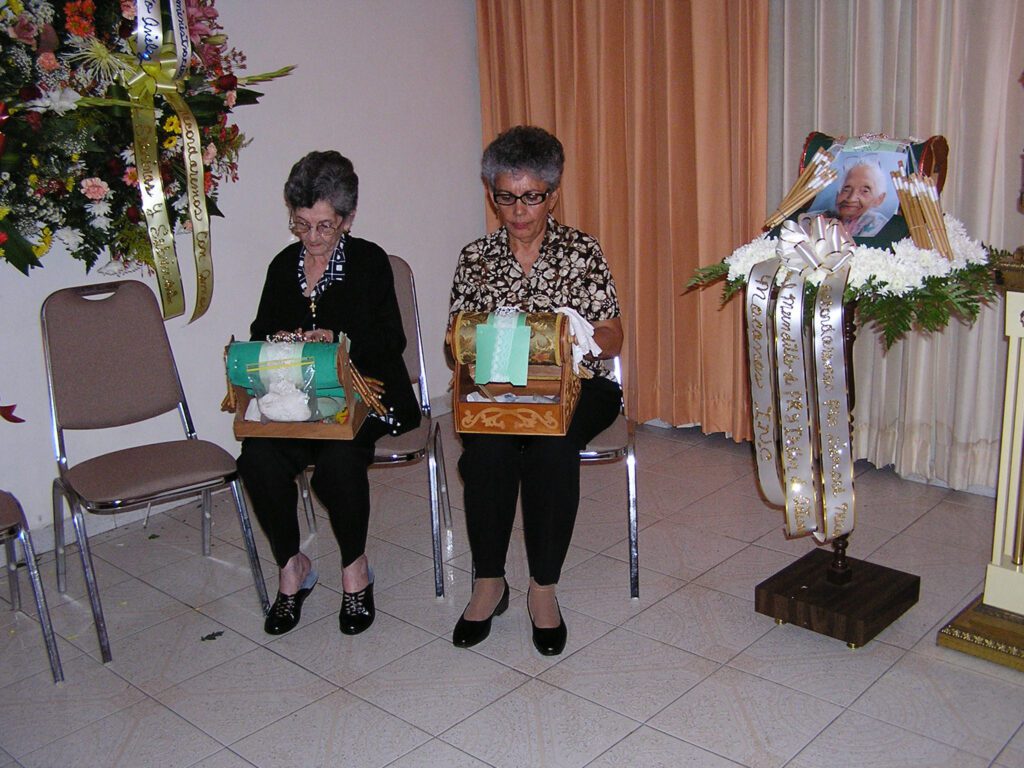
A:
[281,307]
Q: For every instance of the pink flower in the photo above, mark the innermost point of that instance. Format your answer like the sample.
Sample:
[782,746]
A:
[94,188]
[128,9]
[48,62]
[210,153]
[131,176]
[230,98]
[24,30]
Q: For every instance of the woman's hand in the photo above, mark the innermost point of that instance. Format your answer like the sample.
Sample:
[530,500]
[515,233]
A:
[319,334]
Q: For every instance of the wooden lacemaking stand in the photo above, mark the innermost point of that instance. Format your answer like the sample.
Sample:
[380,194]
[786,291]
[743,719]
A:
[992,626]
[832,594]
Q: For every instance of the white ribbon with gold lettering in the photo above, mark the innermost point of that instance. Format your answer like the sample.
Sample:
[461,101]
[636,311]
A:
[759,301]
[799,395]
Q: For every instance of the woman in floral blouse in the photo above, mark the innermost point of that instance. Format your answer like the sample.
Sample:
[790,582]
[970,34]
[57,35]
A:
[535,264]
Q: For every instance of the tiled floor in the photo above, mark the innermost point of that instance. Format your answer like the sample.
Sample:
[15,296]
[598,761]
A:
[689,675]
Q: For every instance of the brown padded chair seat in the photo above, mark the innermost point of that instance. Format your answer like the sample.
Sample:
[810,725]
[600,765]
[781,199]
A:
[149,470]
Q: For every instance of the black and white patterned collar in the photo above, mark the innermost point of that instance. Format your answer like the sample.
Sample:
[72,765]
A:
[335,271]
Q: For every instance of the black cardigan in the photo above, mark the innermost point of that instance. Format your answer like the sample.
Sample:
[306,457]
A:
[362,306]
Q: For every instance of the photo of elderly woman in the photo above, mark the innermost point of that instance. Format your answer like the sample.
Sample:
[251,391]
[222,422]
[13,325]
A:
[863,196]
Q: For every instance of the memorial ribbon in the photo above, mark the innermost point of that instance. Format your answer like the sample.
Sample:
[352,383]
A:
[161,71]
[798,379]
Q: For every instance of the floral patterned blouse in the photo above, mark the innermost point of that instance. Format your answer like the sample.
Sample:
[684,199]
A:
[571,272]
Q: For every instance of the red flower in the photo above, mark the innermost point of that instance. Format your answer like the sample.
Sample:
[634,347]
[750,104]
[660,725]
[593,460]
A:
[226,83]
[80,17]
[133,214]
[35,120]
[3,238]
[28,93]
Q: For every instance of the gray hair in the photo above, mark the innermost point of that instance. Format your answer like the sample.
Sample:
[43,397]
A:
[327,176]
[524,149]
[873,166]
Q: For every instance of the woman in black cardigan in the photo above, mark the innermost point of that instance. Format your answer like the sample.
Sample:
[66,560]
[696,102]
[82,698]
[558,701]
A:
[327,284]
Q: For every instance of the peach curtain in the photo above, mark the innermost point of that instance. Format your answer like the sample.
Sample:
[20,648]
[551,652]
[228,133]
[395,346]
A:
[662,107]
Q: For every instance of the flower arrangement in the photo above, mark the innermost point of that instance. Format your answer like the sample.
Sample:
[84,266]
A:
[896,289]
[68,171]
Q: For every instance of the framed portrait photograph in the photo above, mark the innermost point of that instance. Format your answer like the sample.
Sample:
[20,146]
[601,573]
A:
[863,196]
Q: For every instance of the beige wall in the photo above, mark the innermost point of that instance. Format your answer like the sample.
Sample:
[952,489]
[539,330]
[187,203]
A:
[393,85]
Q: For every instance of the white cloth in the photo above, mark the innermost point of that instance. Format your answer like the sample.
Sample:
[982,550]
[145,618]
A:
[582,337]
[283,402]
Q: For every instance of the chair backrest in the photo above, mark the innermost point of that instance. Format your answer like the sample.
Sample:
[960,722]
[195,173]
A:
[108,359]
[405,291]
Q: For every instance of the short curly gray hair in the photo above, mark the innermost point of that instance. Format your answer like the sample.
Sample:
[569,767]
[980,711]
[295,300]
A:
[524,149]
[327,176]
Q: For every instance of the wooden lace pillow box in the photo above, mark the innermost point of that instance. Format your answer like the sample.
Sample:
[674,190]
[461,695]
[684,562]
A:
[544,405]
[340,427]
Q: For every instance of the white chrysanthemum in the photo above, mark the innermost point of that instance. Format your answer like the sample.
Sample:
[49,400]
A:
[69,237]
[95,63]
[59,100]
[128,155]
[98,208]
[746,256]
[966,250]
[102,223]
[180,203]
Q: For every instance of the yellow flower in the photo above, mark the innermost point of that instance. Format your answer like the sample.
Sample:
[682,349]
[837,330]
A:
[69,184]
[3,213]
[16,7]
[33,179]
[35,161]
[170,141]
[74,157]
[46,240]
[171,124]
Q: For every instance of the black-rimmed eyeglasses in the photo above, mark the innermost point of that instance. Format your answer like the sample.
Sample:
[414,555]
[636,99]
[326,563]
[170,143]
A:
[527,198]
[324,228]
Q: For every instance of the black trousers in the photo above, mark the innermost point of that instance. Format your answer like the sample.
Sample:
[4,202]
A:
[268,468]
[547,469]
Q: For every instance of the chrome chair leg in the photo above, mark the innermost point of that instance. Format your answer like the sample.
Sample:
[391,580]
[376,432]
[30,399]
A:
[207,511]
[446,504]
[250,545]
[58,536]
[435,512]
[307,499]
[634,547]
[78,520]
[12,573]
[41,608]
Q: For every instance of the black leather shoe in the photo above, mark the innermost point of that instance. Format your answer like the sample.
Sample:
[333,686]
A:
[550,641]
[357,611]
[468,633]
[286,610]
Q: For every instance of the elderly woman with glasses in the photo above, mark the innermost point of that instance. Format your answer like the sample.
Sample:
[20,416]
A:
[534,264]
[327,284]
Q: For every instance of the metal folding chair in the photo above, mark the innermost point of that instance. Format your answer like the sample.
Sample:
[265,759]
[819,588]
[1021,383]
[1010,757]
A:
[615,443]
[14,527]
[425,440]
[109,364]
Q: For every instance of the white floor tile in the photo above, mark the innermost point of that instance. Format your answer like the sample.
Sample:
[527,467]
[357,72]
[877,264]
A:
[653,749]
[744,718]
[539,725]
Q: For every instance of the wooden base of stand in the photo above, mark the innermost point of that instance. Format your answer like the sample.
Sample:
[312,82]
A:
[854,612]
[988,633]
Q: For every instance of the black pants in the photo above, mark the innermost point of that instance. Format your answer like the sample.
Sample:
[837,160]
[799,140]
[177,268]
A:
[268,468]
[547,469]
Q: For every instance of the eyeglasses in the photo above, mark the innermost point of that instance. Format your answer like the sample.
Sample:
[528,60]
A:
[527,198]
[324,228]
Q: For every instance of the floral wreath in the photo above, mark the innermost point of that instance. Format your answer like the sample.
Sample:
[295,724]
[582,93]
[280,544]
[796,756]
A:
[67,141]
[897,283]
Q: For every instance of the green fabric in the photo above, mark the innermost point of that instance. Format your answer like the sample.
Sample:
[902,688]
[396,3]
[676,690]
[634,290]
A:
[502,350]
[242,354]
